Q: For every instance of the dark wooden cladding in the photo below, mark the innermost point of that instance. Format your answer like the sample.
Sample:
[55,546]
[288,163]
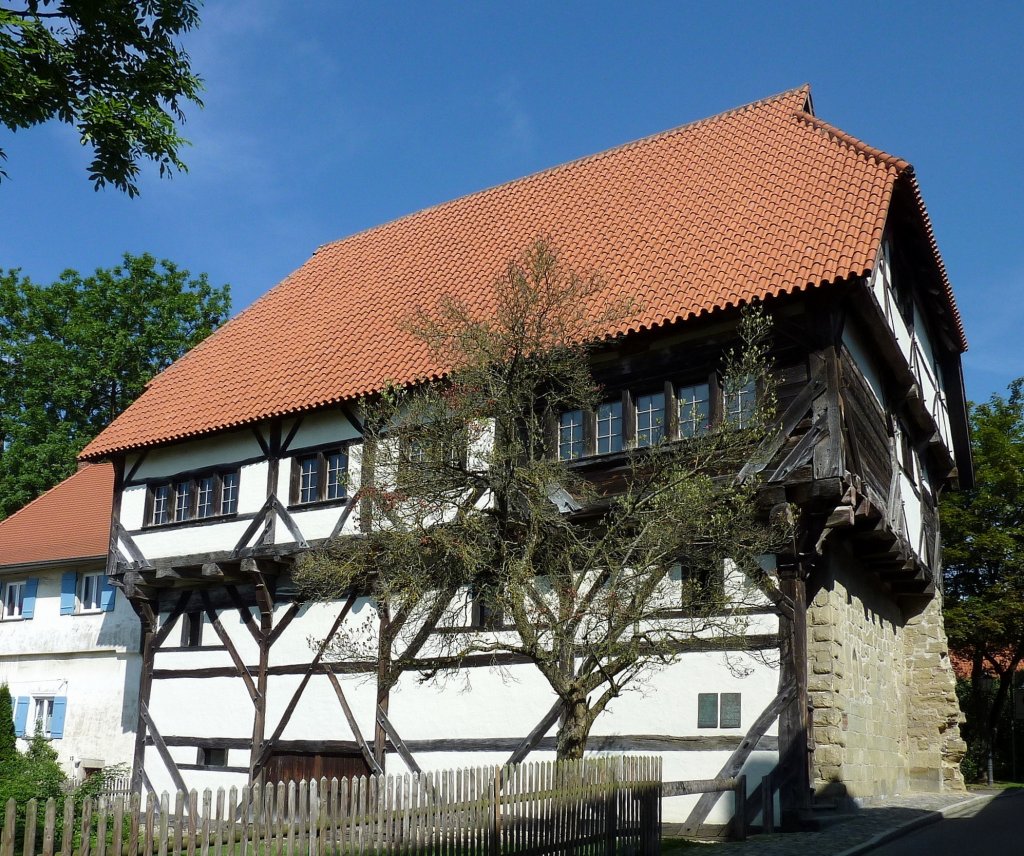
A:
[291,766]
[867,423]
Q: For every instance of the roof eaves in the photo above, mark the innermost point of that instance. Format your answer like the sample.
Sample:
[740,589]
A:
[915,188]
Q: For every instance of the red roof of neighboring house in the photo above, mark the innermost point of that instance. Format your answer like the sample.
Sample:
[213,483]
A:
[70,521]
[963,664]
[760,201]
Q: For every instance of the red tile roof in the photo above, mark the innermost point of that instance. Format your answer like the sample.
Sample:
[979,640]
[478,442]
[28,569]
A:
[759,201]
[70,521]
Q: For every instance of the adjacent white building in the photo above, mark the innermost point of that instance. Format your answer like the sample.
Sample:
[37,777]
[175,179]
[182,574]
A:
[69,641]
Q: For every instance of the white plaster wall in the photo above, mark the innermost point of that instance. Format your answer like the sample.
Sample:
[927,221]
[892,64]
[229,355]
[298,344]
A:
[330,426]
[215,451]
[49,633]
[102,701]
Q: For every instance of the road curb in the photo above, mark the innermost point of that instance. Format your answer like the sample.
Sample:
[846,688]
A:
[954,810]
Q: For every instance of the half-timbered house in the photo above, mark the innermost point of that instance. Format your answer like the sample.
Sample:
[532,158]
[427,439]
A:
[248,450]
[69,641]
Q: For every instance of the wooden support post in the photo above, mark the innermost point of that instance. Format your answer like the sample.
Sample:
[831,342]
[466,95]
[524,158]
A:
[384,681]
[767,805]
[794,725]
[739,817]
[147,621]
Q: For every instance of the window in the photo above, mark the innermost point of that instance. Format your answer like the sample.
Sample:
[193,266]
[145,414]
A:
[90,587]
[319,476]
[703,588]
[485,614]
[85,593]
[740,404]
[694,409]
[192,630]
[718,710]
[212,756]
[14,599]
[204,496]
[650,419]
[570,435]
[48,711]
[609,427]
[42,715]
[200,496]
[161,504]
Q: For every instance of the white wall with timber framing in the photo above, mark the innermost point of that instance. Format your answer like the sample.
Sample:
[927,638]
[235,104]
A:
[476,716]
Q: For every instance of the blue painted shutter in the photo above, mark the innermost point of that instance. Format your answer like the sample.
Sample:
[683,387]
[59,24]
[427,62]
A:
[28,605]
[60,705]
[68,585]
[21,716]
[107,597]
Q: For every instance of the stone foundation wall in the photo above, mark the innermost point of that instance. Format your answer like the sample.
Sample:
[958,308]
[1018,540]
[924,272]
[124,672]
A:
[885,712]
[933,727]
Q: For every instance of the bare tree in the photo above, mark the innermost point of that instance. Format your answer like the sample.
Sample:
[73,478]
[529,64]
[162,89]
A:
[597,584]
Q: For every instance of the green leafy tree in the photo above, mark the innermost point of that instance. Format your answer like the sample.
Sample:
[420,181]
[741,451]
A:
[464,494]
[76,353]
[112,69]
[984,559]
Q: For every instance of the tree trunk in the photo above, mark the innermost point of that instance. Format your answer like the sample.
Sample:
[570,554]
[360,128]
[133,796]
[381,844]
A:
[573,732]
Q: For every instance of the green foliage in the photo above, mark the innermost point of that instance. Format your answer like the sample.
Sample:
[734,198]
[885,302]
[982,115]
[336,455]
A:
[984,557]
[466,494]
[34,774]
[8,740]
[76,353]
[111,69]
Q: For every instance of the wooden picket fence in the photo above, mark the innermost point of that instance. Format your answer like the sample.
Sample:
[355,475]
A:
[594,807]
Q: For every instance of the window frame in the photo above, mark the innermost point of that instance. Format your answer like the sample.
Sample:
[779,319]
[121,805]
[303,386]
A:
[47,716]
[192,629]
[203,760]
[322,455]
[22,584]
[97,578]
[162,496]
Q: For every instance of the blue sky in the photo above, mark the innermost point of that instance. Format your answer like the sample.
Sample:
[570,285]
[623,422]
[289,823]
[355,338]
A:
[325,118]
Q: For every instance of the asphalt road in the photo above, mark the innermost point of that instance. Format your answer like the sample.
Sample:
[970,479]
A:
[997,827]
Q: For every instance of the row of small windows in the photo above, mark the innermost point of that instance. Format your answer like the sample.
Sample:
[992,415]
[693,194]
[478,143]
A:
[316,477]
[691,406]
[79,594]
[195,497]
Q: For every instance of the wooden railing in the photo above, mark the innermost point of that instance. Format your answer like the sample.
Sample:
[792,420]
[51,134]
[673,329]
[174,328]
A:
[595,806]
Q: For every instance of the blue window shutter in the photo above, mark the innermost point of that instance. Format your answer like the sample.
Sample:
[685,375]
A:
[68,587]
[60,705]
[28,606]
[107,597]
[21,716]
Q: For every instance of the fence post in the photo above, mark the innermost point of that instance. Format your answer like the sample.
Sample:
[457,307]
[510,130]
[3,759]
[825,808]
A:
[495,824]
[767,805]
[740,809]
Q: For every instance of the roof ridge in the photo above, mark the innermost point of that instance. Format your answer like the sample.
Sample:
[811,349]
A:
[853,142]
[83,465]
[804,89]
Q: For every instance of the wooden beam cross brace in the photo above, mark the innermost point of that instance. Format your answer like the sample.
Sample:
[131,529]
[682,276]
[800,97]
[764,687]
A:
[312,667]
